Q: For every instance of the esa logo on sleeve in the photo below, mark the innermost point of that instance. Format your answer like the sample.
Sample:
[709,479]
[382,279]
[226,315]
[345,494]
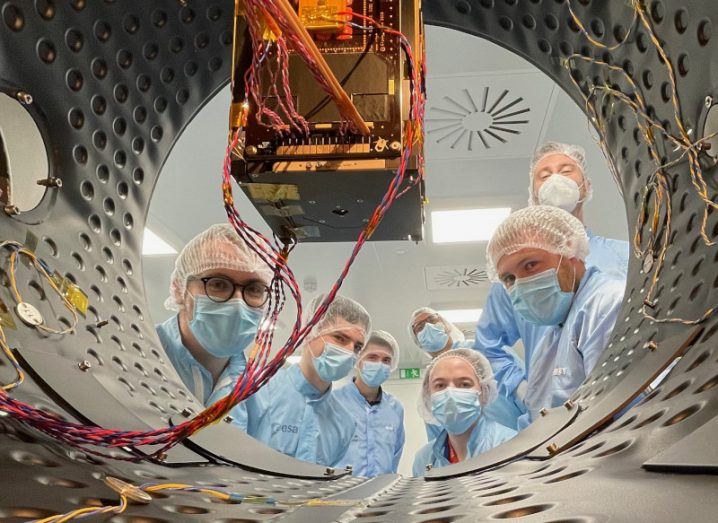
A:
[290,429]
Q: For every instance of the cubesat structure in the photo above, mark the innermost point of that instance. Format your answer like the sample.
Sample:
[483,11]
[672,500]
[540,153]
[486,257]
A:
[105,88]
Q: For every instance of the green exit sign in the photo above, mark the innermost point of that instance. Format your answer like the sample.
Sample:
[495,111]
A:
[409,374]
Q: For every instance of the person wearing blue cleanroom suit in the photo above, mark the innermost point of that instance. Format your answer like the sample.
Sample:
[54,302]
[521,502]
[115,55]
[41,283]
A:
[379,435]
[219,290]
[557,178]
[433,334]
[457,389]
[295,411]
[538,254]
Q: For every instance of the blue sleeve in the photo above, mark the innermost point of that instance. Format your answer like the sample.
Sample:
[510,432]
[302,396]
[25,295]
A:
[421,460]
[496,332]
[599,319]
[400,440]
[432,431]
[225,384]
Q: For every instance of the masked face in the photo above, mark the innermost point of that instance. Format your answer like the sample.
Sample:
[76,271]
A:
[374,373]
[432,337]
[456,409]
[334,363]
[224,329]
[560,191]
[540,300]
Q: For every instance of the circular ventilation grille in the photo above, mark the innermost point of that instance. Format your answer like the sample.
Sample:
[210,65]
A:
[466,120]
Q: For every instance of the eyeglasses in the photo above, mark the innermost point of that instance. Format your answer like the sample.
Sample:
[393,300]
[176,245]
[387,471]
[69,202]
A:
[431,318]
[220,290]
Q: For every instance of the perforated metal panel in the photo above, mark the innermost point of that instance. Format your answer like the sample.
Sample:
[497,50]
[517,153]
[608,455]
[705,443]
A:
[115,82]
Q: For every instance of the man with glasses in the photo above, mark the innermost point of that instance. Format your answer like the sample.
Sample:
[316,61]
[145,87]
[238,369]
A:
[295,412]
[219,288]
[432,333]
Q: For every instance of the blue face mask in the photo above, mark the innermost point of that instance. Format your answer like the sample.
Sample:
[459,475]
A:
[334,363]
[374,373]
[224,329]
[456,409]
[432,338]
[540,300]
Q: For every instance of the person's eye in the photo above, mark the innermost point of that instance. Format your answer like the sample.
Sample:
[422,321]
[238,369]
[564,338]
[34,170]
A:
[218,284]
[529,266]
[255,289]
[509,281]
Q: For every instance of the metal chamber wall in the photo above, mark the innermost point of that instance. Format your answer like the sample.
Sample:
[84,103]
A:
[113,85]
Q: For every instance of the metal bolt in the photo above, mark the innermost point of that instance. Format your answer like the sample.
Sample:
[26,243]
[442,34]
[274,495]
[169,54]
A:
[395,146]
[251,149]
[11,210]
[650,345]
[709,101]
[54,183]
[329,471]
[24,97]
[312,202]
[228,419]
[428,467]
[543,412]
[84,365]
[569,405]
[187,412]
[101,323]
[552,449]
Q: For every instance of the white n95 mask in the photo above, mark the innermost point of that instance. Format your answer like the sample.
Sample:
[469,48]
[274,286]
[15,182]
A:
[560,191]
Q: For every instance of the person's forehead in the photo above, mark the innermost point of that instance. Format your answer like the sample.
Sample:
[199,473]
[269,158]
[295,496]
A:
[452,367]
[375,348]
[422,316]
[508,261]
[554,159]
[342,326]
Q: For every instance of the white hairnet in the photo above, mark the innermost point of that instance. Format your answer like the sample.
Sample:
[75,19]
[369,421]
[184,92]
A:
[487,384]
[219,247]
[456,335]
[385,340]
[575,152]
[540,227]
[342,310]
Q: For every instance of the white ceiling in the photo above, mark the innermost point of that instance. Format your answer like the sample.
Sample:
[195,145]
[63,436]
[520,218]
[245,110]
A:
[390,278]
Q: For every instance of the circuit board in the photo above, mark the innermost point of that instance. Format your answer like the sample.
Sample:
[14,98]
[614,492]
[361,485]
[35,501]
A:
[372,68]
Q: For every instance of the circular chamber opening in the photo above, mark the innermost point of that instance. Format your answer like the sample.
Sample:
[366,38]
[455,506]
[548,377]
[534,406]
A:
[23,156]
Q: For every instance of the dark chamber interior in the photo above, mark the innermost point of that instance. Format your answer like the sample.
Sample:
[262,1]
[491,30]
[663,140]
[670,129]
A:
[113,85]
